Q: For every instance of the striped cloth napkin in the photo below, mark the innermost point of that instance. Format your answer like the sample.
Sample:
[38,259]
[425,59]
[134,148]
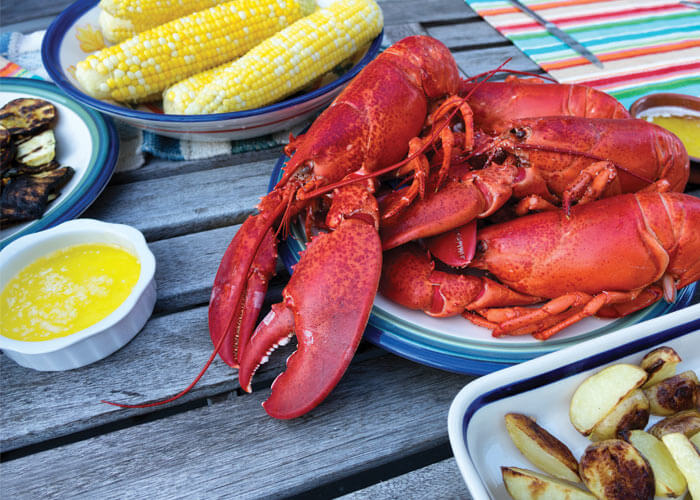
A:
[646,46]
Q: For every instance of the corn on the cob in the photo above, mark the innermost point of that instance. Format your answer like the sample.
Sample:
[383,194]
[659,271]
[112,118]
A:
[290,59]
[177,97]
[122,19]
[146,64]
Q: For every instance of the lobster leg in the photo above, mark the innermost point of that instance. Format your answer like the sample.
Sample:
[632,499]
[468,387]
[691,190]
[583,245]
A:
[326,305]
[475,194]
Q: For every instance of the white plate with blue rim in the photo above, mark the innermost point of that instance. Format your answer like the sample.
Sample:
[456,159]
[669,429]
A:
[454,344]
[75,34]
[85,141]
[542,389]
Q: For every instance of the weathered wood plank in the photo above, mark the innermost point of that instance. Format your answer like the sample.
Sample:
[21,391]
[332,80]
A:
[160,361]
[157,168]
[182,284]
[233,449]
[440,480]
[425,11]
[474,62]
[476,33]
[187,203]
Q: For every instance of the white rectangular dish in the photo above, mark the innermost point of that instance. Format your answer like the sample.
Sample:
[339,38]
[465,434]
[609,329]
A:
[542,388]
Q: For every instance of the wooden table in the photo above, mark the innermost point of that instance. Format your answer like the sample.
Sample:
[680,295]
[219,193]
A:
[381,433]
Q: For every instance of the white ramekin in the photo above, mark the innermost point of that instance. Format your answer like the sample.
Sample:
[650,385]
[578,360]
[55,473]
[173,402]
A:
[104,337]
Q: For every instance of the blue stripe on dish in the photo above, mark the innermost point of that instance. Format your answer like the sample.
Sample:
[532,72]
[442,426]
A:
[50,54]
[103,159]
[594,361]
[467,356]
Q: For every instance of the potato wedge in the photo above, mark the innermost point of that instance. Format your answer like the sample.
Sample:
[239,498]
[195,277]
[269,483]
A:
[523,484]
[686,422]
[631,413]
[614,470]
[668,479]
[673,394]
[660,364]
[695,439]
[598,395]
[687,459]
[541,448]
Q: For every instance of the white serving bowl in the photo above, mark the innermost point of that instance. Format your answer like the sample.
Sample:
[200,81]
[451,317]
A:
[104,337]
[61,51]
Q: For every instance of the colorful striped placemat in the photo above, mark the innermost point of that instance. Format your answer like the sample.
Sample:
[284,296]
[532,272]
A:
[646,46]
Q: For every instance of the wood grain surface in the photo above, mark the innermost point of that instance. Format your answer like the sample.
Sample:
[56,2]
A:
[381,434]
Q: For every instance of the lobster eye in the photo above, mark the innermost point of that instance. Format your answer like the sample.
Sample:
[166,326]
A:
[519,133]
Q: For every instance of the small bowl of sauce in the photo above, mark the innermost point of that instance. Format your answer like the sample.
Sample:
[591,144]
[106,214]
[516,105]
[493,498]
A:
[678,113]
[74,294]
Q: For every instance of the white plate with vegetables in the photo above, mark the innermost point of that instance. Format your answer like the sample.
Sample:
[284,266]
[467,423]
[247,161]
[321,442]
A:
[76,34]
[85,143]
[542,389]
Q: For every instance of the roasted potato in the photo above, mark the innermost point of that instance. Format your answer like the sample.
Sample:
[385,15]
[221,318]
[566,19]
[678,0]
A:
[27,116]
[668,479]
[673,394]
[541,448]
[614,470]
[600,393]
[631,413]
[660,364]
[523,484]
[686,422]
[687,459]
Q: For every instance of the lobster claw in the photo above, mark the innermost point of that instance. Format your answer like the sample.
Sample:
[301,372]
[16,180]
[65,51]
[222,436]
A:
[326,305]
[240,286]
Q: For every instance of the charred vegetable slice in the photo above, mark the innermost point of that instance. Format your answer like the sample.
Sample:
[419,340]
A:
[6,149]
[27,116]
[26,197]
[36,150]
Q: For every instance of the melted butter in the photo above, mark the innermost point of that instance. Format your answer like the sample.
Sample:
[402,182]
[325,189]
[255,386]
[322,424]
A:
[67,291]
[687,128]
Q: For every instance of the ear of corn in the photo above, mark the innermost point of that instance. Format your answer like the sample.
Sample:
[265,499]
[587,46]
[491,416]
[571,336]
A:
[290,59]
[122,19]
[143,66]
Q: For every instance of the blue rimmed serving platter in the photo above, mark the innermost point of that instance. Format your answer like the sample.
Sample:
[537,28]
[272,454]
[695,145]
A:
[455,344]
[542,388]
[85,141]
[75,33]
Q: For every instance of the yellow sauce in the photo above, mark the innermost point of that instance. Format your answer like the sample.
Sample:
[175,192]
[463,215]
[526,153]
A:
[687,128]
[67,291]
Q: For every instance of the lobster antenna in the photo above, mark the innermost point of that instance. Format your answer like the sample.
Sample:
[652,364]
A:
[390,168]
[511,71]
[217,348]
[182,392]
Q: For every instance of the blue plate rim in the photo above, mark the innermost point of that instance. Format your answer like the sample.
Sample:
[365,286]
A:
[472,359]
[104,158]
[57,30]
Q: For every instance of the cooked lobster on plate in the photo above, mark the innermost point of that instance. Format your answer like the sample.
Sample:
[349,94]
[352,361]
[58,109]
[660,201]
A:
[413,160]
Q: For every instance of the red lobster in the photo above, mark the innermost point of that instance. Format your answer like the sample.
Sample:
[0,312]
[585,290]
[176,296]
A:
[608,258]
[329,297]
[552,161]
